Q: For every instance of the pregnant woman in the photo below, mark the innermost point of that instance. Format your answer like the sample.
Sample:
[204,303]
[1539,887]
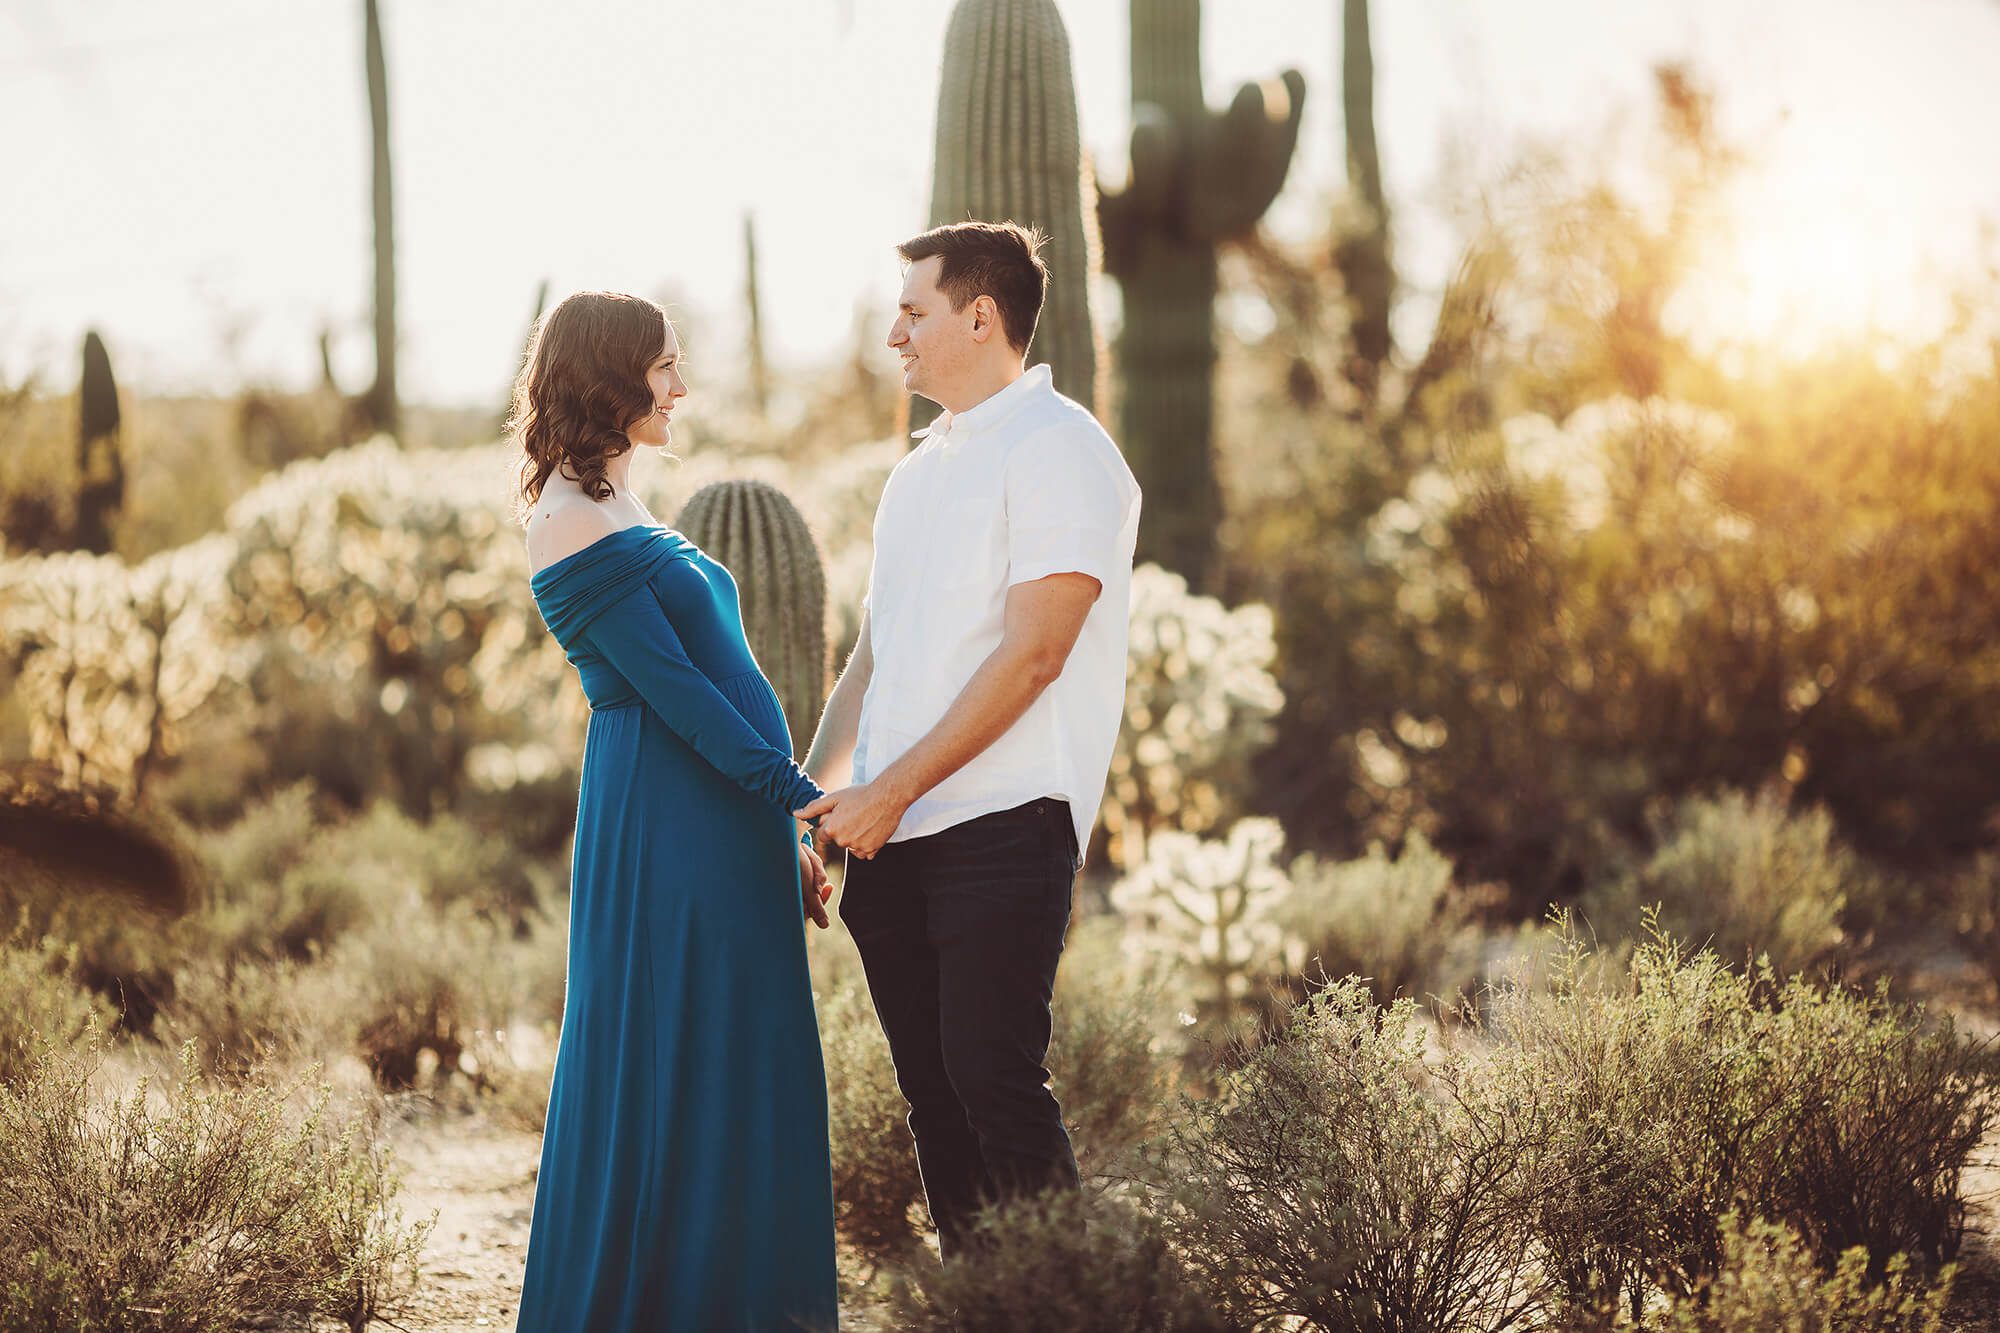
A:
[684,1178]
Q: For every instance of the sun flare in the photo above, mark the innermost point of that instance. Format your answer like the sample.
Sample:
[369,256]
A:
[1804,252]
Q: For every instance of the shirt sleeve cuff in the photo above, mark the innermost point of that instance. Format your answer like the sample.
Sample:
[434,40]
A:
[1035,553]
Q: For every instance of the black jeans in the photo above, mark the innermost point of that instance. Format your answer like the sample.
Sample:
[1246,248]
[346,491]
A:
[959,934]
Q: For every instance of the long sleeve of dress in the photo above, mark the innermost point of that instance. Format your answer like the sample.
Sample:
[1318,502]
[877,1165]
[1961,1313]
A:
[636,638]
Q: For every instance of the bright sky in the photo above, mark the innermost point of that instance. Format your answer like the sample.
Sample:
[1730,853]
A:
[193,179]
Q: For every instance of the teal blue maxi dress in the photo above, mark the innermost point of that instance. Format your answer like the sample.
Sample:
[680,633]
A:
[684,1181]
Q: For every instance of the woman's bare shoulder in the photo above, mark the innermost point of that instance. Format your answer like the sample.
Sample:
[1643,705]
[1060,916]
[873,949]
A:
[561,528]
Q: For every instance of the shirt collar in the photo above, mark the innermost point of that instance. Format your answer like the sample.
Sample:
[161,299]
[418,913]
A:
[991,411]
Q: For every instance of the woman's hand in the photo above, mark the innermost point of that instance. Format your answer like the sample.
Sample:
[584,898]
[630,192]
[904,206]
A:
[813,885]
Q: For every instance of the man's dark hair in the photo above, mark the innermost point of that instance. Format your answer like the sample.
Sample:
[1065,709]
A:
[997,259]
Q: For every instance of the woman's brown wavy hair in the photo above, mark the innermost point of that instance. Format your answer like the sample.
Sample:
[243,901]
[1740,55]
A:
[582,384]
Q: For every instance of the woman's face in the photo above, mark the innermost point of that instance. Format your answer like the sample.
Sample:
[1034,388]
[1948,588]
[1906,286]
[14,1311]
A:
[663,377]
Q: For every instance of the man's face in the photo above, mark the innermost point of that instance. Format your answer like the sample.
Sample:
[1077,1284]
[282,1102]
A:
[934,340]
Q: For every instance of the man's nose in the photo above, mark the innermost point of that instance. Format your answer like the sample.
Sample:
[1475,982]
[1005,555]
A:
[896,335]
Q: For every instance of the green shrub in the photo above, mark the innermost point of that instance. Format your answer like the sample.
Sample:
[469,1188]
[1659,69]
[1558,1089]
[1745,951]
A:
[1104,1060]
[97,874]
[245,1014]
[1339,1181]
[191,1208]
[1692,1089]
[1882,1110]
[45,1004]
[1745,877]
[1773,1282]
[1974,895]
[875,1180]
[266,841]
[354,1236]
[1061,1262]
[288,887]
[444,860]
[275,893]
[1652,1099]
[419,985]
[1393,921]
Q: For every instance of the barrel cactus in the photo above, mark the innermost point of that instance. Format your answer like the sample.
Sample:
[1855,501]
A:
[760,536]
[1198,179]
[100,469]
[1008,150]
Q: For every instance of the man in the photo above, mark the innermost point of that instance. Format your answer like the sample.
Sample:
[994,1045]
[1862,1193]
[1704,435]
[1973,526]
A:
[978,712]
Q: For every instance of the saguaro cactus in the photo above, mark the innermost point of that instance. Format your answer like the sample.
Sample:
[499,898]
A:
[1362,252]
[100,469]
[380,402]
[760,375]
[1008,150]
[1198,179]
[754,530]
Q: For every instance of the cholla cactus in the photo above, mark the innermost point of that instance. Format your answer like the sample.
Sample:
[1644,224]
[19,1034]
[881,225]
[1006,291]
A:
[1211,905]
[1199,697]
[382,596]
[112,659]
[760,536]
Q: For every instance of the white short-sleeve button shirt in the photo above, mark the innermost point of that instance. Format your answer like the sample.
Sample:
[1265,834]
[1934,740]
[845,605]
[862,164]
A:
[1024,485]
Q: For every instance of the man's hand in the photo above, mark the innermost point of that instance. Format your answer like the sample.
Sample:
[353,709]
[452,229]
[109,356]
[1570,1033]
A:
[813,886]
[860,818]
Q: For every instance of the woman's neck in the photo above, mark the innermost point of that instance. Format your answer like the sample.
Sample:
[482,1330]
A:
[618,471]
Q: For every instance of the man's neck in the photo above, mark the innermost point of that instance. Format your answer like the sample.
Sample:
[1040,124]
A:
[982,386]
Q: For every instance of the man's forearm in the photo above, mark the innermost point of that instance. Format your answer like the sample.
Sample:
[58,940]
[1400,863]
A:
[1011,678]
[830,762]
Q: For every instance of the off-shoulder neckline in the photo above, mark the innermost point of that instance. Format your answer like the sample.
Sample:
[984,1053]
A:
[549,569]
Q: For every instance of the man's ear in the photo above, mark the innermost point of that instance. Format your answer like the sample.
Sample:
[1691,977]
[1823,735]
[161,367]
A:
[985,318]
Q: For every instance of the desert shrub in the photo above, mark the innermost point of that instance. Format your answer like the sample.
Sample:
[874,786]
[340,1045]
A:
[1882,1111]
[516,1092]
[875,1180]
[1396,922]
[1653,1100]
[45,1004]
[1773,1281]
[1198,702]
[191,1208]
[1974,895]
[1339,1181]
[354,1236]
[1745,877]
[266,840]
[101,875]
[541,966]
[1692,1089]
[418,985]
[1105,1065]
[243,1014]
[1061,1262]
[287,886]
[443,859]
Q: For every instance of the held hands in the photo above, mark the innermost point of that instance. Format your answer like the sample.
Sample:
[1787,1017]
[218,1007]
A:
[813,885]
[860,819]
